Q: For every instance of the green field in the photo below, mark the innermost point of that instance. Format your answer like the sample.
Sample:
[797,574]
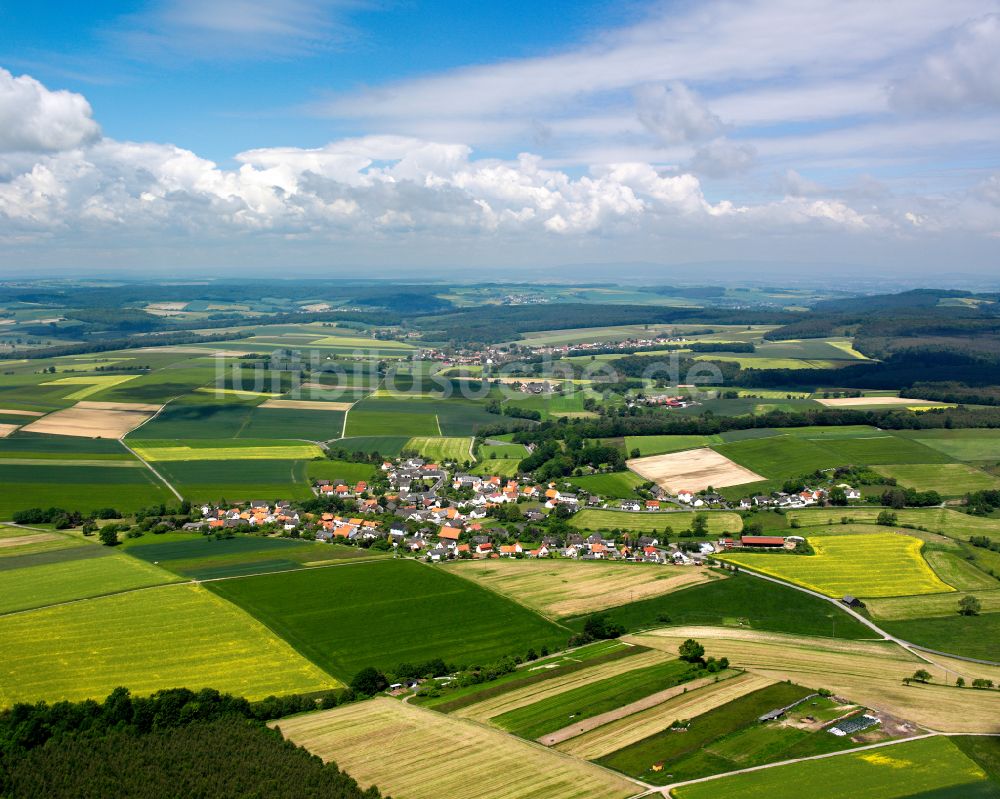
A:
[969,636]
[198,416]
[930,768]
[16,542]
[595,519]
[288,423]
[577,704]
[386,446]
[739,601]
[500,468]
[238,480]
[682,755]
[969,444]
[391,423]
[210,450]
[204,558]
[658,445]
[503,451]
[61,448]
[955,570]
[879,449]
[842,565]
[618,485]
[779,457]
[941,520]
[82,487]
[49,584]
[437,448]
[341,470]
[163,637]
[389,612]
[949,479]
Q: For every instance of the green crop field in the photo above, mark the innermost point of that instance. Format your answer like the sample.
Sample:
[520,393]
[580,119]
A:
[595,519]
[165,637]
[500,468]
[340,470]
[309,425]
[659,445]
[50,584]
[78,487]
[881,449]
[238,480]
[968,444]
[389,612]
[16,542]
[930,767]
[205,558]
[779,457]
[739,601]
[615,484]
[209,450]
[843,565]
[61,448]
[197,416]
[948,479]
[577,704]
[442,448]
[390,423]
[681,755]
[503,451]
[958,572]
[941,520]
[969,636]
[386,446]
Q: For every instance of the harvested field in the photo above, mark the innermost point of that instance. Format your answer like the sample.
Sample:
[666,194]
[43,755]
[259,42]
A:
[480,763]
[7,429]
[529,695]
[838,567]
[208,450]
[94,419]
[28,540]
[306,405]
[10,412]
[853,402]
[561,588]
[870,673]
[693,470]
[688,701]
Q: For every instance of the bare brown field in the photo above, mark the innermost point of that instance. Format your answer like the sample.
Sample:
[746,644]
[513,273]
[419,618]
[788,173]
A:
[849,402]
[11,412]
[560,588]
[28,540]
[306,405]
[700,697]
[94,419]
[692,470]
[511,700]
[866,672]
[412,753]
[7,429]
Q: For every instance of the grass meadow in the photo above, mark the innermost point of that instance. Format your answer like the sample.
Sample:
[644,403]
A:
[499,467]
[389,612]
[659,445]
[436,448]
[948,479]
[165,637]
[615,484]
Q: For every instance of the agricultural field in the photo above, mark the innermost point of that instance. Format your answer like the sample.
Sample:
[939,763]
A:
[285,423]
[440,449]
[78,485]
[386,446]
[347,617]
[201,557]
[839,566]
[503,451]
[53,583]
[692,470]
[667,756]
[941,520]
[928,767]
[963,444]
[741,602]
[948,479]
[969,636]
[778,457]
[879,449]
[498,467]
[868,672]
[363,423]
[417,769]
[152,639]
[340,470]
[94,419]
[15,542]
[240,480]
[659,445]
[619,485]
[642,522]
[212,450]
[61,448]
[559,588]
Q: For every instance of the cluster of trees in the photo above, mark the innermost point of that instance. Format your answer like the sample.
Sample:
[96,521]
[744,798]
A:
[550,460]
[513,411]
[982,503]
[693,652]
[597,628]
[898,498]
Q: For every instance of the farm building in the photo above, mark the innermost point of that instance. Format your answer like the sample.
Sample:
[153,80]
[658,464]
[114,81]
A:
[851,726]
[762,541]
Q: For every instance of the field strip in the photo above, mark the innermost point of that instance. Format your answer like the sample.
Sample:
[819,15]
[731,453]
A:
[117,464]
[701,697]
[26,540]
[668,789]
[94,405]
[306,405]
[866,672]
[235,392]
[94,419]
[434,756]
[521,697]
[629,710]
[847,402]
[11,412]
[7,429]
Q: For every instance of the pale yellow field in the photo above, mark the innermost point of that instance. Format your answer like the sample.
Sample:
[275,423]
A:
[11,412]
[94,419]
[692,470]
[184,453]
[851,402]
[696,700]
[92,383]
[511,700]
[7,429]
[561,588]
[306,405]
[412,753]
[866,672]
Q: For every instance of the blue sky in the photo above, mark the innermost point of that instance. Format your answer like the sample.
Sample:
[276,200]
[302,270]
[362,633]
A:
[324,135]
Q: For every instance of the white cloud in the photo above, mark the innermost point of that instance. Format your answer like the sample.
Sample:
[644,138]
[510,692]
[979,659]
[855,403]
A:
[723,158]
[965,73]
[35,119]
[675,114]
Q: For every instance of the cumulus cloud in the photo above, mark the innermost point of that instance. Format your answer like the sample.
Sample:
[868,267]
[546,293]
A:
[964,73]
[675,114]
[723,158]
[35,119]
